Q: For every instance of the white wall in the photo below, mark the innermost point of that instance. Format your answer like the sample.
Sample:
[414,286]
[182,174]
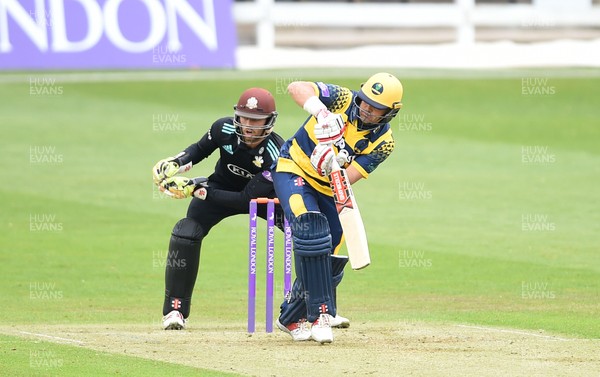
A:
[462,15]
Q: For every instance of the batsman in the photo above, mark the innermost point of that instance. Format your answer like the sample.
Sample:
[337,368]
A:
[346,128]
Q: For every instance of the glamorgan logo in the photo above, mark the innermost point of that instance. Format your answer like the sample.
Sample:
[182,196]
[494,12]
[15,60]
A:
[49,33]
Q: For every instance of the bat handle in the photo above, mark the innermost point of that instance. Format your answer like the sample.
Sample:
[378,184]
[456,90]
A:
[335,166]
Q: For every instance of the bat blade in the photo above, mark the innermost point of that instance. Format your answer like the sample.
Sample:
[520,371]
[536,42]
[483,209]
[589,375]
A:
[350,219]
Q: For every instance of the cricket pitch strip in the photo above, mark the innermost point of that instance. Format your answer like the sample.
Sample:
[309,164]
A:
[378,349]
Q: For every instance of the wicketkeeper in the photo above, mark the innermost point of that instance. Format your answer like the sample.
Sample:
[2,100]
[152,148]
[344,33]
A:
[352,128]
[247,148]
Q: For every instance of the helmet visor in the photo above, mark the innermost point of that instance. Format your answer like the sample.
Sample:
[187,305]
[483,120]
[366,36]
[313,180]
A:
[250,132]
[373,117]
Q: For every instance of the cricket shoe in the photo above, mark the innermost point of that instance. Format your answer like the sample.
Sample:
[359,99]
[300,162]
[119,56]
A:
[339,321]
[299,331]
[321,329]
[174,321]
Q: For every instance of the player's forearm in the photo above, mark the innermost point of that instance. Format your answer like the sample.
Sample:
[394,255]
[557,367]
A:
[306,96]
[353,174]
[231,199]
[258,187]
[198,151]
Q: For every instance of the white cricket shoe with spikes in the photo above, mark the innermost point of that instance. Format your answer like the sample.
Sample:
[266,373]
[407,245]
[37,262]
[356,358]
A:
[299,331]
[321,329]
[174,321]
[339,321]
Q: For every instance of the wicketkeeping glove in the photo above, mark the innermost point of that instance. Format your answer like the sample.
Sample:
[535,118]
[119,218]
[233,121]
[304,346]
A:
[330,127]
[182,187]
[167,168]
[322,159]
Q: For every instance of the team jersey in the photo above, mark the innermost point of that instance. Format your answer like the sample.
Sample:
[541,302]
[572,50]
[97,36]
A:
[237,164]
[365,149]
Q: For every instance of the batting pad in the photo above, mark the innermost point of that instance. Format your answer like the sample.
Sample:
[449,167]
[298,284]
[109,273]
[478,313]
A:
[312,247]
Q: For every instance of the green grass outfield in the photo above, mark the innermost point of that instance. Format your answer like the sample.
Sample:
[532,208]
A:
[486,214]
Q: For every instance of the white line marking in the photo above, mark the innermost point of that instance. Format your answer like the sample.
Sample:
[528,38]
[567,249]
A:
[289,73]
[516,332]
[52,337]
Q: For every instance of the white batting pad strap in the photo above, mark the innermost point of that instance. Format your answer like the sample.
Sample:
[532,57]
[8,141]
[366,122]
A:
[313,105]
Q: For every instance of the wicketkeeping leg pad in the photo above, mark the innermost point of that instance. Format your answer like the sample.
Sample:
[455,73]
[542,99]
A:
[182,264]
[312,248]
[187,231]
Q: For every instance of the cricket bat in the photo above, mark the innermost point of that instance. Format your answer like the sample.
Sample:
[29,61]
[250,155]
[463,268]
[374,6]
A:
[352,224]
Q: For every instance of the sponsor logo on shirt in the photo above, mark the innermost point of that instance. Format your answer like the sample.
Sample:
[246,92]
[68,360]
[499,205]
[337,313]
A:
[239,171]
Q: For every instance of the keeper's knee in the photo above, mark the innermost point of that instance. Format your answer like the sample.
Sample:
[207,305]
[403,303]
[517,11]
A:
[187,230]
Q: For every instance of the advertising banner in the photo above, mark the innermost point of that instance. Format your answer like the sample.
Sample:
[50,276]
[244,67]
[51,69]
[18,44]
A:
[115,34]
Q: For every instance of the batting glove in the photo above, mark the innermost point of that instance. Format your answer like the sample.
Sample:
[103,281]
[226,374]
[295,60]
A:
[330,127]
[343,158]
[167,168]
[322,159]
[183,187]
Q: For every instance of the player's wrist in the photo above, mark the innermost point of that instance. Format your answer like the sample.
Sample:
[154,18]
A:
[314,106]
[183,159]
[201,192]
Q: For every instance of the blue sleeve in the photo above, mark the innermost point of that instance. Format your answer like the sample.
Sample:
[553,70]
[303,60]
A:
[370,161]
[335,97]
